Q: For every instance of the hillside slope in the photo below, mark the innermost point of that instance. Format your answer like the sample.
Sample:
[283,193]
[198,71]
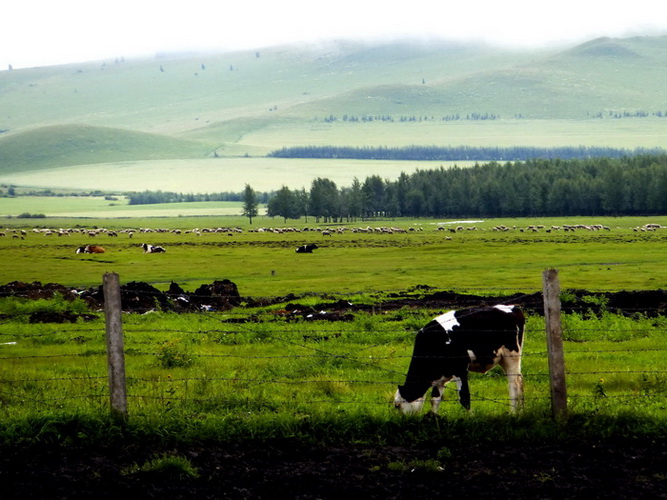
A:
[247,103]
[64,145]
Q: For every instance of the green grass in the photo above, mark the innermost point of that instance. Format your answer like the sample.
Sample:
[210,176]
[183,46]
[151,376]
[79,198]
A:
[263,380]
[219,376]
[64,145]
[265,264]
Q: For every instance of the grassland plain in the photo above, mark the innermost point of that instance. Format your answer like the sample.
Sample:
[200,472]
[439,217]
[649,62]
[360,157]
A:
[276,401]
[265,263]
[260,405]
[82,210]
[213,175]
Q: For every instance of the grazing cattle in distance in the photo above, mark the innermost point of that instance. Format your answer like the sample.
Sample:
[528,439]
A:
[152,248]
[90,249]
[306,248]
[457,342]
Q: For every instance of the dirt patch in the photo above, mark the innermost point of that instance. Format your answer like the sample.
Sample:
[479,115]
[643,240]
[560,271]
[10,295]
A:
[291,469]
[136,296]
[222,295]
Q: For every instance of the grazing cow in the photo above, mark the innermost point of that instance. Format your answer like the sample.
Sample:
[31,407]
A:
[90,249]
[457,342]
[306,248]
[152,248]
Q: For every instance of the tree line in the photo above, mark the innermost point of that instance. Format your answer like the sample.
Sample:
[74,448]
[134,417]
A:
[408,118]
[455,153]
[631,185]
[152,197]
[596,186]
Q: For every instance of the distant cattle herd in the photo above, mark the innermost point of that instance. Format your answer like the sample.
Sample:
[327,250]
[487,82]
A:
[328,232]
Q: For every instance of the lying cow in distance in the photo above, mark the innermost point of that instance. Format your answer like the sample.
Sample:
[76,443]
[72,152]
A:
[90,249]
[457,342]
[152,248]
[306,248]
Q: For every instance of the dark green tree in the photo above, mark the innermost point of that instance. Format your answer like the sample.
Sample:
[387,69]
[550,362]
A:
[373,193]
[323,201]
[250,203]
[285,204]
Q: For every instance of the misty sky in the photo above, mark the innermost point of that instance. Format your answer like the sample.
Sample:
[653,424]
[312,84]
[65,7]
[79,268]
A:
[45,32]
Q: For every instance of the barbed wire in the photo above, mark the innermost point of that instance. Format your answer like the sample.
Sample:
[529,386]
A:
[318,356]
[318,353]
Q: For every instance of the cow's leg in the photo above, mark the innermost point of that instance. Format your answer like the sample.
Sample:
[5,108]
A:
[464,390]
[511,364]
[437,392]
[436,398]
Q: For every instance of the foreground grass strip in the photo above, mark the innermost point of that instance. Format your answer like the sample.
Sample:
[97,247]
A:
[67,430]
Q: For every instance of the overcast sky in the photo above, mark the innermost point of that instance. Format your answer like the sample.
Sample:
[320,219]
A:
[46,32]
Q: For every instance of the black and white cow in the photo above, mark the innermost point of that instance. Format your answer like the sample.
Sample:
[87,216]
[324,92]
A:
[457,342]
[152,248]
[306,248]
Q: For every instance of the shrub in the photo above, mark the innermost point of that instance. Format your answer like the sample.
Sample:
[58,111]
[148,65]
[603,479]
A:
[166,466]
[171,354]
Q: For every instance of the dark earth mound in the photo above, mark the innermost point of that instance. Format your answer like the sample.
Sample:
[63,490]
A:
[223,295]
[620,469]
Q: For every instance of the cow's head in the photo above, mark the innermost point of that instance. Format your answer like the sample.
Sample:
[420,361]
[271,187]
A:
[407,407]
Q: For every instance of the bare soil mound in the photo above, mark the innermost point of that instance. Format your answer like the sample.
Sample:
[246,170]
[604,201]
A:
[222,295]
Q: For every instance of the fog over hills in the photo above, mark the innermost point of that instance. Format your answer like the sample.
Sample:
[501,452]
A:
[249,103]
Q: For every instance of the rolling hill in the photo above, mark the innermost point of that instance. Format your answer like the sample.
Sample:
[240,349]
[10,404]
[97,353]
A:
[198,106]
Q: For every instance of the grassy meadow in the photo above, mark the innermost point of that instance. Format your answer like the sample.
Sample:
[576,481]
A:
[265,263]
[251,372]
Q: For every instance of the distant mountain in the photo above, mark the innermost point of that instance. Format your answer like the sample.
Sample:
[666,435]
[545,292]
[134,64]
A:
[208,104]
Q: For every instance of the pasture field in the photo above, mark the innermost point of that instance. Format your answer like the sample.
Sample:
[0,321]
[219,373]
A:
[630,134]
[208,387]
[255,373]
[265,263]
[212,175]
[96,207]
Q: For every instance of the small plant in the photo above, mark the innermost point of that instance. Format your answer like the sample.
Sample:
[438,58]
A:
[599,390]
[416,466]
[444,453]
[173,355]
[167,466]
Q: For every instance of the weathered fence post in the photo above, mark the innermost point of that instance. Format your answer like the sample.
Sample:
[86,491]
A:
[115,347]
[554,332]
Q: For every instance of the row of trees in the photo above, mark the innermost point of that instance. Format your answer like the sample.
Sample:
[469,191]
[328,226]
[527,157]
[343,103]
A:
[478,116]
[153,197]
[408,118]
[633,185]
[454,153]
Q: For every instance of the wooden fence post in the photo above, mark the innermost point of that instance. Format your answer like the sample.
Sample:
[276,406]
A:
[554,332]
[115,345]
